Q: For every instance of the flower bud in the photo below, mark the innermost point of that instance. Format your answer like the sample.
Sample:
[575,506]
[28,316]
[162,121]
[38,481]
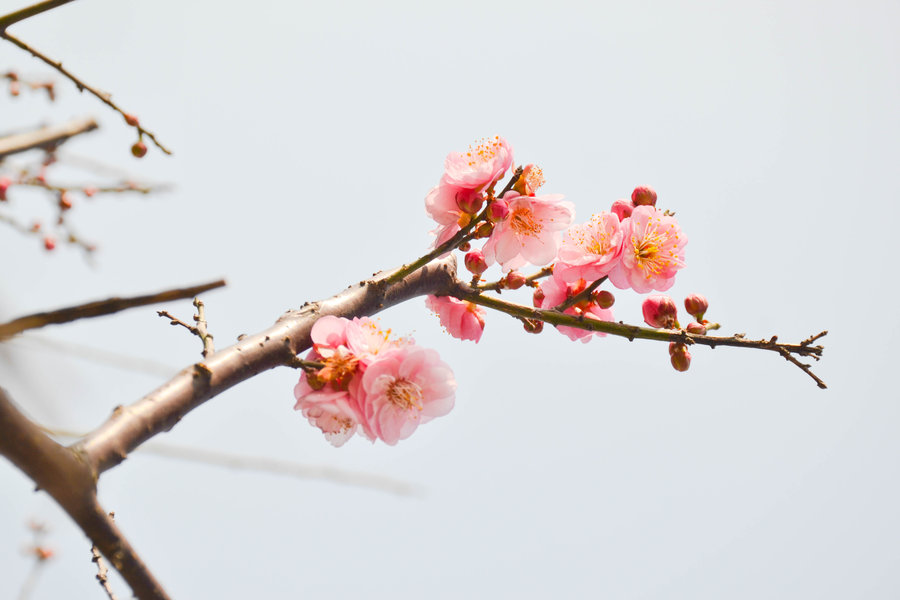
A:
[498,210]
[696,306]
[465,246]
[679,356]
[49,242]
[89,191]
[514,280]
[538,298]
[475,262]
[660,311]
[139,149]
[622,209]
[469,201]
[484,230]
[65,201]
[131,120]
[698,328]
[643,196]
[14,88]
[533,325]
[5,182]
[603,298]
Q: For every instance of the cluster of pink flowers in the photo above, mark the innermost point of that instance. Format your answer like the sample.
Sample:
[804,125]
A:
[635,245]
[369,383]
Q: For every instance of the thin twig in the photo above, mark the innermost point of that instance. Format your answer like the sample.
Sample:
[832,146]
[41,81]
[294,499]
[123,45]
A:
[29,11]
[45,137]
[102,572]
[205,336]
[100,308]
[82,86]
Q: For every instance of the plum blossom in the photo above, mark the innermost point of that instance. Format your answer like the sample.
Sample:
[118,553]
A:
[660,311]
[531,232]
[443,205]
[591,250]
[404,388]
[554,291]
[653,251]
[463,320]
[480,166]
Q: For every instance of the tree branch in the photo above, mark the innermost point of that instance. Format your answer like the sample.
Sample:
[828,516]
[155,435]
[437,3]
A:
[45,137]
[159,411]
[99,308]
[29,11]
[68,478]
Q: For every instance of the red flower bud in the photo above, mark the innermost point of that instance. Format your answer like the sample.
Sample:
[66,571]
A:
[696,306]
[484,230]
[679,356]
[514,280]
[469,201]
[89,191]
[65,201]
[533,325]
[538,297]
[643,196]
[698,328]
[49,242]
[622,209]
[131,120]
[5,182]
[475,262]
[603,298]
[498,210]
[139,149]
[465,246]
[660,311]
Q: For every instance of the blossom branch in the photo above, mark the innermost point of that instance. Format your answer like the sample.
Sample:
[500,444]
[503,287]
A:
[99,308]
[632,332]
[159,411]
[66,476]
[46,137]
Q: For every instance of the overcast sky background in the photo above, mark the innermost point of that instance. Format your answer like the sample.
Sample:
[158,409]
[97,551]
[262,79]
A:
[306,137]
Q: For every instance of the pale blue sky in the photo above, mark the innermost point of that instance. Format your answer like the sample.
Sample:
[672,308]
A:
[305,139]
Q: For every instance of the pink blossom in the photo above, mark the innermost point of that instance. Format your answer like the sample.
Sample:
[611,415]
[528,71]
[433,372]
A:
[531,179]
[622,209]
[590,251]
[480,166]
[443,205]
[653,251]
[555,291]
[463,320]
[402,389]
[333,412]
[532,231]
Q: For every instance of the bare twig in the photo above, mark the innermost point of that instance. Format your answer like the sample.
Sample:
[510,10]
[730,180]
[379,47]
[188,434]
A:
[100,308]
[102,572]
[45,137]
[36,9]
[199,330]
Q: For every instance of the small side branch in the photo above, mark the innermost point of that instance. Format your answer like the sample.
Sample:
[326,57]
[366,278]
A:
[46,138]
[100,308]
[102,572]
[199,330]
[104,97]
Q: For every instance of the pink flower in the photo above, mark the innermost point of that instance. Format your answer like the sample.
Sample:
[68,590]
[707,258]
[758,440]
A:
[463,320]
[480,166]
[532,231]
[443,204]
[555,291]
[591,250]
[653,251]
[402,389]
[331,411]
[531,179]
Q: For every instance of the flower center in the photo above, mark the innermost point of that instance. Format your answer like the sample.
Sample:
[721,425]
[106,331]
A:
[522,221]
[651,252]
[405,394]
[483,152]
[338,371]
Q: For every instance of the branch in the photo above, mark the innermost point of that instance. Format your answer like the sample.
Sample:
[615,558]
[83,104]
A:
[99,308]
[463,291]
[159,411]
[36,9]
[29,11]
[65,475]
[45,137]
